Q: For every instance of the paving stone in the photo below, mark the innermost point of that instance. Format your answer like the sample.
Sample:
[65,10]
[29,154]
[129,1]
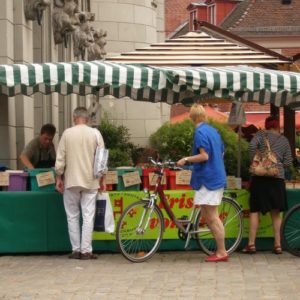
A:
[169,275]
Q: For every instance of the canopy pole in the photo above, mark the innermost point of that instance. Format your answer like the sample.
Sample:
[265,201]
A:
[239,151]
[289,127]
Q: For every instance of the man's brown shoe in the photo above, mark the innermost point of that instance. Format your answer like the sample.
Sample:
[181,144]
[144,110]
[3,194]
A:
[75,255]
[88,255]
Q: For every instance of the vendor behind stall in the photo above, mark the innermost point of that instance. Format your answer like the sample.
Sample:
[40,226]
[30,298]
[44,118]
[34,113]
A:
[40,152]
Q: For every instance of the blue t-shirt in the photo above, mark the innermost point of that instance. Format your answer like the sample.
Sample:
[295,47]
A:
[210,173]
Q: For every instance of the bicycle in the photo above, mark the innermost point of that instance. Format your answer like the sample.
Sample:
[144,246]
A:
[140,228]
[290,230]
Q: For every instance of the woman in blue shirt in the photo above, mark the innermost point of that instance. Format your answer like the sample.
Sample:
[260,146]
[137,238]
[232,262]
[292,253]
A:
[208,176]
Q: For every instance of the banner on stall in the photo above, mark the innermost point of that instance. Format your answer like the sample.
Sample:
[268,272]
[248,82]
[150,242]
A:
[181,202]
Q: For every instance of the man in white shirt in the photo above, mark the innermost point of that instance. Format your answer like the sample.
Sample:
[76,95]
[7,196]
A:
[75,179]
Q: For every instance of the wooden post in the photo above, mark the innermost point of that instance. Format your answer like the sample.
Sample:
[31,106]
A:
[289,127]
[274,110]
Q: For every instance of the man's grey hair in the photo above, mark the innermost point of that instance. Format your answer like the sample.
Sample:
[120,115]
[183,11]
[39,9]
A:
[81,112]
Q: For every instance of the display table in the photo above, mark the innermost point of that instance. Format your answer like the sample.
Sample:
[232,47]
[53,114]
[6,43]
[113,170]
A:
[32,222]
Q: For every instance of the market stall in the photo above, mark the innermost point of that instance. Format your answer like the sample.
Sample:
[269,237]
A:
[32,222]
[35,221]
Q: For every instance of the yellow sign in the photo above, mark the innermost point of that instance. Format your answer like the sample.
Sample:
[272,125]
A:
[131,178]
[45,178]
[4,179]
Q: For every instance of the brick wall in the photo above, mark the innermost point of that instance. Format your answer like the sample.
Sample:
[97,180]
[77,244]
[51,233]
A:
[175,14]
[290,51]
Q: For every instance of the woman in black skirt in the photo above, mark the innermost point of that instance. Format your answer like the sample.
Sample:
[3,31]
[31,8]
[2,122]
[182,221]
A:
[268,194]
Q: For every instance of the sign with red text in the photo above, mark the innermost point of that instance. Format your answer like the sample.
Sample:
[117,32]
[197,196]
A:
[181,203]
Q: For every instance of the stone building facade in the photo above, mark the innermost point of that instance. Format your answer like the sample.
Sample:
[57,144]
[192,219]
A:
[130,24]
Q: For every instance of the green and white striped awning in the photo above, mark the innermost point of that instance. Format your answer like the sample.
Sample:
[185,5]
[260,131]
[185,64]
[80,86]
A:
[153,84]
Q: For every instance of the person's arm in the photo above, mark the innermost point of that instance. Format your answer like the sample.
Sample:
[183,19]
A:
[60,164]
[201,157]
[253,145]
[59,184]
[287,155]
[102,183]
[25,161]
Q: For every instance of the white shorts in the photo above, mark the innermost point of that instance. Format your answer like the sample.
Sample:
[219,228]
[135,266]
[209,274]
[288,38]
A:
[208,197]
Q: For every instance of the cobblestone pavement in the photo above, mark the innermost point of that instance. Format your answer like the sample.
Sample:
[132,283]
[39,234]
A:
[168,275]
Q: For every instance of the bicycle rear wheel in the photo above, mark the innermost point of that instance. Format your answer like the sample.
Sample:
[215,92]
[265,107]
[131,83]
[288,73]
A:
[139,231]
[290,231]
[231,216]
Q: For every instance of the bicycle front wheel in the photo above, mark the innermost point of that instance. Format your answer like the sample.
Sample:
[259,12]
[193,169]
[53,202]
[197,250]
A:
[230,214]
[139,231]
[290,231]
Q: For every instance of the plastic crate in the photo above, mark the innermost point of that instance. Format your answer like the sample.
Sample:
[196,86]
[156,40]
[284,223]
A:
[172,182]
[109,187]
[17,182]
[120,185]
[146,181]
[33,185]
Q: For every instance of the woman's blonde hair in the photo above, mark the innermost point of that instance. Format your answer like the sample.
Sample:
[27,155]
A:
[197,113]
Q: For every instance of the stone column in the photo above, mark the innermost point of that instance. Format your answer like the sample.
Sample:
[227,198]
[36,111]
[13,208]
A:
[23,53]
[160,19]
[131,25]
[7,107]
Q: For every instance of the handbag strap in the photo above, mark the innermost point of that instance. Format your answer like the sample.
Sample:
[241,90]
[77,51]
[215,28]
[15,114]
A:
[267,142]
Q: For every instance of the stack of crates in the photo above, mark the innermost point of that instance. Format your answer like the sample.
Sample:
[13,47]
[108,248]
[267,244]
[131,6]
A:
[172,182]
[17,181]
[147,177]
[125,170]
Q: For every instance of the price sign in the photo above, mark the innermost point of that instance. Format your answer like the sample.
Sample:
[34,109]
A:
[153,179]
[45,178]
[111,177]
[4,179]
[183,177]
[131,178]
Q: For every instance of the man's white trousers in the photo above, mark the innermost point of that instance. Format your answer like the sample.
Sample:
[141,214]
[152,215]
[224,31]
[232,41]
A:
[74,198]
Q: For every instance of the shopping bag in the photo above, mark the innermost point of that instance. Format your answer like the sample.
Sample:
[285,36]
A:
[101,158]
[100,163]
[104,216]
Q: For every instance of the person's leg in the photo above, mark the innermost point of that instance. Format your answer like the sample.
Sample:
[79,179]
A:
[72,208]
[88,207]
[276,220]
[253,225]
[211,215]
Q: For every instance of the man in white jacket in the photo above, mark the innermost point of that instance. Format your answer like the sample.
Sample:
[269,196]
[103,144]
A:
[75,179]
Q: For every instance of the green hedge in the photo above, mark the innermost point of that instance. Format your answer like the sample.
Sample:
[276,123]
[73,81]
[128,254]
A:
[174,141]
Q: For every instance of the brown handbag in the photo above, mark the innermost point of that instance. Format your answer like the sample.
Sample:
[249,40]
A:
[265,163]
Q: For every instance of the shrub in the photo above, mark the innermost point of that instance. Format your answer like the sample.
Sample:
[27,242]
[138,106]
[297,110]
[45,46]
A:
[116,139]
[174,141]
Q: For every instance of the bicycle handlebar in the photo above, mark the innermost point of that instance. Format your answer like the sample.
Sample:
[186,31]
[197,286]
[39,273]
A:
[169,164]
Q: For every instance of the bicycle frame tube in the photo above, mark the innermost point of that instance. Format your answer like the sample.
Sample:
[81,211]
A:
[159,190]
[141,227]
